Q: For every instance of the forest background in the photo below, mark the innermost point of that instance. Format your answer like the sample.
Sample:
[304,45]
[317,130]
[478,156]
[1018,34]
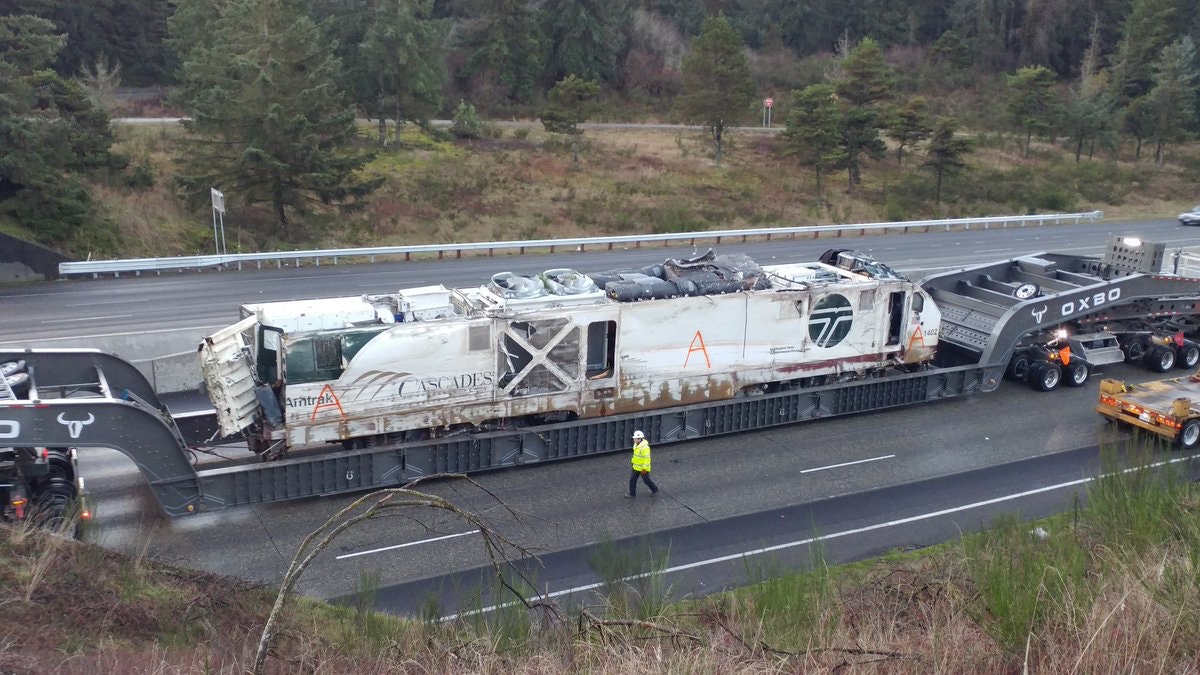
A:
[887,110]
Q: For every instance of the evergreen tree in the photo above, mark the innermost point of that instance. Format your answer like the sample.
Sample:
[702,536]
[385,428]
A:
[1032,105]
[717,87]
[585,38]
[129,32]
[1137,120]
[1087,117]
[504,47]
[813,134]
[1150,27]
[989,28]
[910,125]
[570,103]
[946,154]
[51,138]
[399,69]
[1088,114]
[1172,101]
[268,124]
[866,84]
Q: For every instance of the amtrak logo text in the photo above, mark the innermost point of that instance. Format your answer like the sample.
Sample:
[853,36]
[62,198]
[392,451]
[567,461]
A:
[306,401]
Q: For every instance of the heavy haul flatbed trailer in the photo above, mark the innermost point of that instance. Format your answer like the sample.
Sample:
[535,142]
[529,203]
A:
[1167,408]
[86,398]
[37,483]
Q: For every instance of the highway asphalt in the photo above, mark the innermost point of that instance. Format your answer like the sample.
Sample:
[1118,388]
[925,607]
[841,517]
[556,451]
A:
[722,498]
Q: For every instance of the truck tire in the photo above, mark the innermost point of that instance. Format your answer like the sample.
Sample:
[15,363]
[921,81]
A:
[1187,356]
[1044,376]
[1077,373]
[53,503]
[1160,359]
[1189,435]
[1018,367]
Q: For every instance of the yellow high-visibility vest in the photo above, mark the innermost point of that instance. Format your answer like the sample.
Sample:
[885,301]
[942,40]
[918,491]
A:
[641,456]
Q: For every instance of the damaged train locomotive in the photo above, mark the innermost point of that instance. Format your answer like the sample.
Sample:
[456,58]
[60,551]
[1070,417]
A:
[532,349]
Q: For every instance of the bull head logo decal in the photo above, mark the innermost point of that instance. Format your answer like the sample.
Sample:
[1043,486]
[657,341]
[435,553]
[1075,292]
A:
[1039,313]
[75,427]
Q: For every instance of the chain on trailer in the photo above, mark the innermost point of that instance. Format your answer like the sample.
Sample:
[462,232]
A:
[87,398]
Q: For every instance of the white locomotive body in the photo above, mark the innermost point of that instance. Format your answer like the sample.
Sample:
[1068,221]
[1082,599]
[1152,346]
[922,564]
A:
[561,345]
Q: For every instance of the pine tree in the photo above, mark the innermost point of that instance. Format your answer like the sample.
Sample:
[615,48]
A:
[717,87]
[506,48]
[813,134]
[1149,28]
[584,37]
[866,83]
[1172,101]
[400,63]
[268,122]
[51,138]
[945,154]
[570,103]
[1032,105]
[128,32]
[1137,120]
[910,125]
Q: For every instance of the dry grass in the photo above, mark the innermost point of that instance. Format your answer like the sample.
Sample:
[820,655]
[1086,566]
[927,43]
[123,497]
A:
[93,612]
[523,185]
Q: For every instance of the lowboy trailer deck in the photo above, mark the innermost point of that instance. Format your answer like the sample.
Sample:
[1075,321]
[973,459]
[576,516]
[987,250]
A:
[86,398]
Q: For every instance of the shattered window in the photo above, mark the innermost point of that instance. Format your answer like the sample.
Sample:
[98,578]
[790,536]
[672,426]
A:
[327,353]
[522,340]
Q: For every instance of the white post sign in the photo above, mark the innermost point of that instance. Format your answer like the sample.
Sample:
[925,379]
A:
[768,103]
[218,205]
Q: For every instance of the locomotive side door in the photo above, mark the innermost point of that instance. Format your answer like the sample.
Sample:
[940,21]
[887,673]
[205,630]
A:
[600,372]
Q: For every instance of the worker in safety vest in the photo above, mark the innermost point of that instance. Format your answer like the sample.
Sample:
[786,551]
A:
[641,465]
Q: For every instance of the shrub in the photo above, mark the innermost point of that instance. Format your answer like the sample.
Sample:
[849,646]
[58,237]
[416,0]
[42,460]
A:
[466,123]
[142,177]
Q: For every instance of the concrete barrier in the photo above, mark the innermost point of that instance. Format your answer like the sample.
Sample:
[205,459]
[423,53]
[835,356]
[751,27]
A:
[166,357]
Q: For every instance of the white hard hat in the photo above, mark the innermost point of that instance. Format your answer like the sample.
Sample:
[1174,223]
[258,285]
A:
[638,435]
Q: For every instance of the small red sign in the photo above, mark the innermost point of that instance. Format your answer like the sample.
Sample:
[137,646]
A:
[768,102]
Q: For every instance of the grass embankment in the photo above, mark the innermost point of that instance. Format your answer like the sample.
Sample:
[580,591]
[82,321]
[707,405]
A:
[520,183]
[1112,587]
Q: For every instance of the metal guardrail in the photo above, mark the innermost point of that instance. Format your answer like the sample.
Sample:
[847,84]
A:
[238,260]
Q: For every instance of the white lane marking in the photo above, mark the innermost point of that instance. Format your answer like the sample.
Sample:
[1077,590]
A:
[97,304]
[826,537]
[88,318]
[838,466]
[411,543]
[993,250]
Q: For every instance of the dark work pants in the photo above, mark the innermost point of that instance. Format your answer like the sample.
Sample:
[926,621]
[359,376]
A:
[633,479]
